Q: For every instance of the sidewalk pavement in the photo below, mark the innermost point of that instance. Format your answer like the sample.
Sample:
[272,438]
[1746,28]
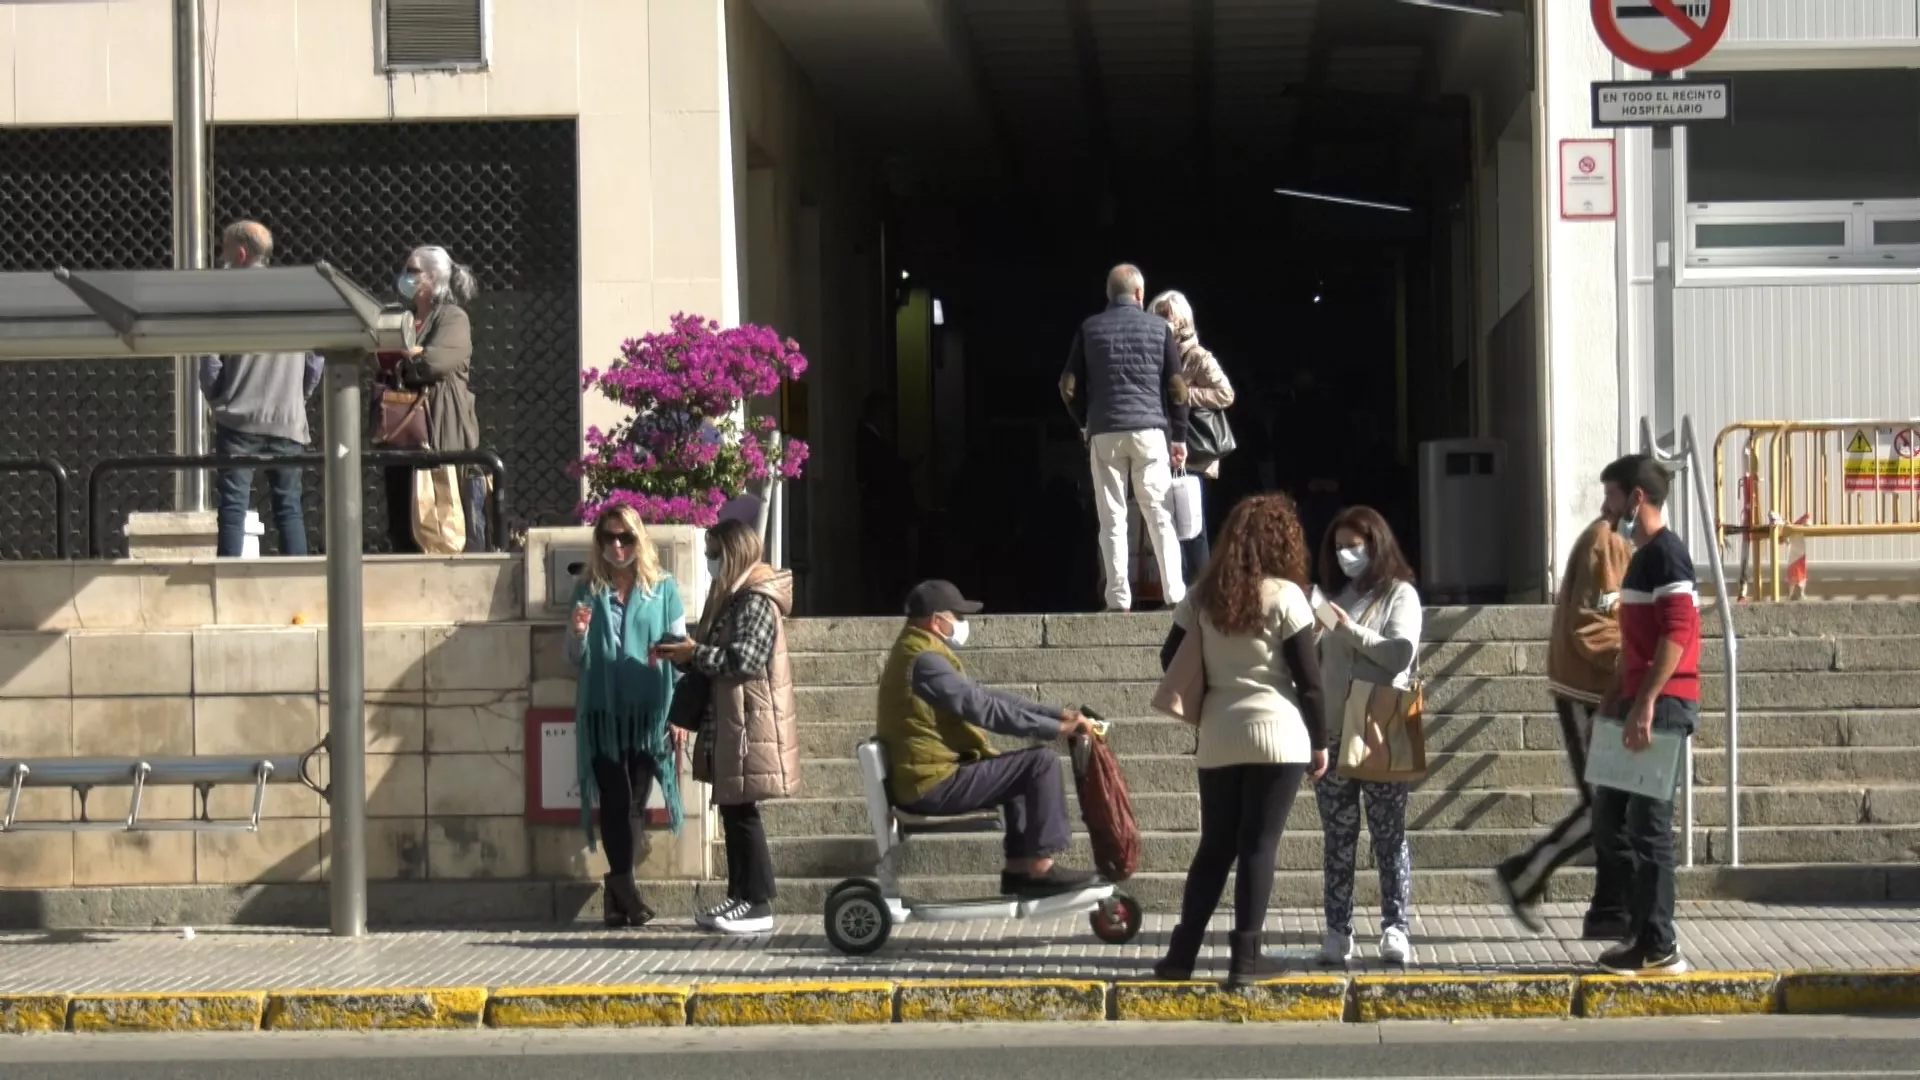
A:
[1470,963]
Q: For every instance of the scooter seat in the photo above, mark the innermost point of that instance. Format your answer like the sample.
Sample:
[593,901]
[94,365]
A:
[912,824]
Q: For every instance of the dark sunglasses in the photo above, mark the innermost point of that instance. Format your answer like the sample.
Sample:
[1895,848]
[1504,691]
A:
[619,539]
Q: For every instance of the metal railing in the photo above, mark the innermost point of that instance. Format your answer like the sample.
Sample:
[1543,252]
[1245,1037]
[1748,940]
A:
[62,497]
[486,460]
[1795,474]
[82,775]
[1685,458]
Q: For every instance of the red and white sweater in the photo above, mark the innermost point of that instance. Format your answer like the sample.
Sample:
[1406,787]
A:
[1658,601]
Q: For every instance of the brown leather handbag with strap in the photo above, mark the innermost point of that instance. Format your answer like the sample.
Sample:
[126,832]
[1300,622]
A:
[400,419]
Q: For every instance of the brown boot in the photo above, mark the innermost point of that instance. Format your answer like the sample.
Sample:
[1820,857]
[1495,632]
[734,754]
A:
[1244,966]
[623,904]
[1183,949]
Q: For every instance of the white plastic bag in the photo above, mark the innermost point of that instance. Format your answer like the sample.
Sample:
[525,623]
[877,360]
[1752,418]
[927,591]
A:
[1189,517]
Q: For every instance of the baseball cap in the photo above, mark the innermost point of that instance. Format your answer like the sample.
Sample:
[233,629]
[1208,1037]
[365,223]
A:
[932,597]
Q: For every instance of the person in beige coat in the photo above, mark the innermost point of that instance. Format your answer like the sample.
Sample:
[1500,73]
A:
[748,749]
[1207,388]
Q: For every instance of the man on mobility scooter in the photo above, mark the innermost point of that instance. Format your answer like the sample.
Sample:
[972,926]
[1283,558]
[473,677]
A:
[930,769]
[933,722]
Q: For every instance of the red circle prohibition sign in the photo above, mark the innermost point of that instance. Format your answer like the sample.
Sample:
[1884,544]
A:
[1587,165]
[1700,38]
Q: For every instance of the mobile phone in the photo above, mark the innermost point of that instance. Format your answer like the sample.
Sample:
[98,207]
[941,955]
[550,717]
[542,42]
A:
[1324,613]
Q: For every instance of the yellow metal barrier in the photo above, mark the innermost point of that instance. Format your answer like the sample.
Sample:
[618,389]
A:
[1813,479]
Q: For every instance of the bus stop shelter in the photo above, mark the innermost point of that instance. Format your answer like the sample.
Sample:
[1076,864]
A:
[168,314]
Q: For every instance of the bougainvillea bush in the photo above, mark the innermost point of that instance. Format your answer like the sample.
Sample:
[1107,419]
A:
[684,452]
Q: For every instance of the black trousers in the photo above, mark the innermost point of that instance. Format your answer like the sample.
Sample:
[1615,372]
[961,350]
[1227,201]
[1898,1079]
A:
[1638,832]
[749,864]
[625,786]
[400,511]
[1243,812]
[1613,871]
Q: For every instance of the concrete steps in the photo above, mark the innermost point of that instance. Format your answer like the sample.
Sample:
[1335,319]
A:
[1830,753]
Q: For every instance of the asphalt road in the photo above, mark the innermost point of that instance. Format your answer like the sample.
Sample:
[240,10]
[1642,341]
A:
[1772,1048]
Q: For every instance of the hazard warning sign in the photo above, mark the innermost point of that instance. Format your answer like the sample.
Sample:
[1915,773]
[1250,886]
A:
[1883,460]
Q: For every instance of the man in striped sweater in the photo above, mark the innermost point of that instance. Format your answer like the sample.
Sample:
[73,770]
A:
[1658,688]
[1582,656]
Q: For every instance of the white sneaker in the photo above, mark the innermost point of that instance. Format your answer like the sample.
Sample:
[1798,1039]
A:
[1395,948]
[1336,949]
[744,919]
[710,918]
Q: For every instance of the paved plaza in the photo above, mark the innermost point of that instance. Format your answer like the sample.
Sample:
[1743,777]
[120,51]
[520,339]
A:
[1721,936]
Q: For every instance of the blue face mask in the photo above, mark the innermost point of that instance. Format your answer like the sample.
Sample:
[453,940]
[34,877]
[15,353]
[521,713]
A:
[407,284]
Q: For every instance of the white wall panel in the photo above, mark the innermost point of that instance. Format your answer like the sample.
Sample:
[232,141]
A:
[1774,22]
[1801,352]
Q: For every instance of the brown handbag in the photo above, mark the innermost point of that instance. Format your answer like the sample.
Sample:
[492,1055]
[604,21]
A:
[400,419]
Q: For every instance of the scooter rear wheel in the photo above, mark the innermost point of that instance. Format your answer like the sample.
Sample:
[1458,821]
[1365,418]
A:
[1117,920]
[859,921]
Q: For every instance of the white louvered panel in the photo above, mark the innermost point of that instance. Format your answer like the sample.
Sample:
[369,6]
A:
[1794,21]
[1815,352]
[435,34]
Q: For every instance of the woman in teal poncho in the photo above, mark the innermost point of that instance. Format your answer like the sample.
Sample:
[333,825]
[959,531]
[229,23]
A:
[623,607]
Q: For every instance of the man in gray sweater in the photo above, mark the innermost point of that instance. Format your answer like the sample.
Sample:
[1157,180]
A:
[1124,387]
[259,404]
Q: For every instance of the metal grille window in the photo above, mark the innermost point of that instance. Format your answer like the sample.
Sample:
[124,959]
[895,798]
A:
[500,196]
[434,35]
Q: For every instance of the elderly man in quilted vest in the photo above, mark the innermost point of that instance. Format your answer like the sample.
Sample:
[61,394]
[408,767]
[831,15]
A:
[934,723]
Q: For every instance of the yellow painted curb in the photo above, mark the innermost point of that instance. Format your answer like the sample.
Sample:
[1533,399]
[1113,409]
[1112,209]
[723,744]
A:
[756,1004]
[376,1009]
[1462,997]
[1013,1001]
[1702,993]
[95,1013]
[33,1014]
[1851,991]
[588,1006]
[1303,998]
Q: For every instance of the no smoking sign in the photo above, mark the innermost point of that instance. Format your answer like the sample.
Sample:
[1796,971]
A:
[1587,191]
[1661,35]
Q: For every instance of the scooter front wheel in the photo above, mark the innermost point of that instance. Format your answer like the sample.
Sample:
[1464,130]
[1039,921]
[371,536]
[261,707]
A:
[1117,920]
[859,921]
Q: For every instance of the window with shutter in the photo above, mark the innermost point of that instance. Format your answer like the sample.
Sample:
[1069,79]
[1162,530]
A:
[434,35]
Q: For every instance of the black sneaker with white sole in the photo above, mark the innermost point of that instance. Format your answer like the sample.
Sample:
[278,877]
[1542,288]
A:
[744,918]
[709,919]
[1632,958]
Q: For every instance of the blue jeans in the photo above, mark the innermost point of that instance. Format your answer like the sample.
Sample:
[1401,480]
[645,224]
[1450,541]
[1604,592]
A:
[235,487]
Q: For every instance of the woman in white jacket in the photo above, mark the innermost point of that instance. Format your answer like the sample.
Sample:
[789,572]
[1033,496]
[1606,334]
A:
[1375,640]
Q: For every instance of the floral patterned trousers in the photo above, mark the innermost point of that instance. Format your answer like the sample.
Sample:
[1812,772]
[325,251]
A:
[1386,804]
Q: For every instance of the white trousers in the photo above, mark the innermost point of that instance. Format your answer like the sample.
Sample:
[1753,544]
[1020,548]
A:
[1142,458]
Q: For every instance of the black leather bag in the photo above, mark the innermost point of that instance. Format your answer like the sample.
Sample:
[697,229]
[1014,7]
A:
[1209,436]
[690,697]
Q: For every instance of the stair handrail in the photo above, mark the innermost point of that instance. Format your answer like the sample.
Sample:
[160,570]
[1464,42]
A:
[1685,458]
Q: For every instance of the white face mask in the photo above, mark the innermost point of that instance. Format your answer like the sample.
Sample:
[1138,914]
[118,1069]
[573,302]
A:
[619,557]
[713,568]
[957,637]
[1626,525]
[1353,561]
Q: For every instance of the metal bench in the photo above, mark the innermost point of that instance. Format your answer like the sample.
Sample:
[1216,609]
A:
[82,775]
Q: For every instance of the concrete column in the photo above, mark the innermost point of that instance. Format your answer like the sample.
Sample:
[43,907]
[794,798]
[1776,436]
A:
[1576,282]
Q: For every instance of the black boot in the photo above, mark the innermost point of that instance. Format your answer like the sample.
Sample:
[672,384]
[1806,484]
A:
[623,904]
[1243,967]
[1183,948]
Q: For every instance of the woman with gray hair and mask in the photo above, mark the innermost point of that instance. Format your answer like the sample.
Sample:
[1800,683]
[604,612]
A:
[1207,388]
[438,365]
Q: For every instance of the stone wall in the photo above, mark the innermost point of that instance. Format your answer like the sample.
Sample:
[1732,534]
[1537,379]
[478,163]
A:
[230,657]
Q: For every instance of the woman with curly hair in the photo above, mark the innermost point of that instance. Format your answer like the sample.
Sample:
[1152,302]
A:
[1262,727]
[1374,639]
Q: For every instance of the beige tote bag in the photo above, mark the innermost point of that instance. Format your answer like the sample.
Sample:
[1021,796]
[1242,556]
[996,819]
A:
[439,523]
[1183,689]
